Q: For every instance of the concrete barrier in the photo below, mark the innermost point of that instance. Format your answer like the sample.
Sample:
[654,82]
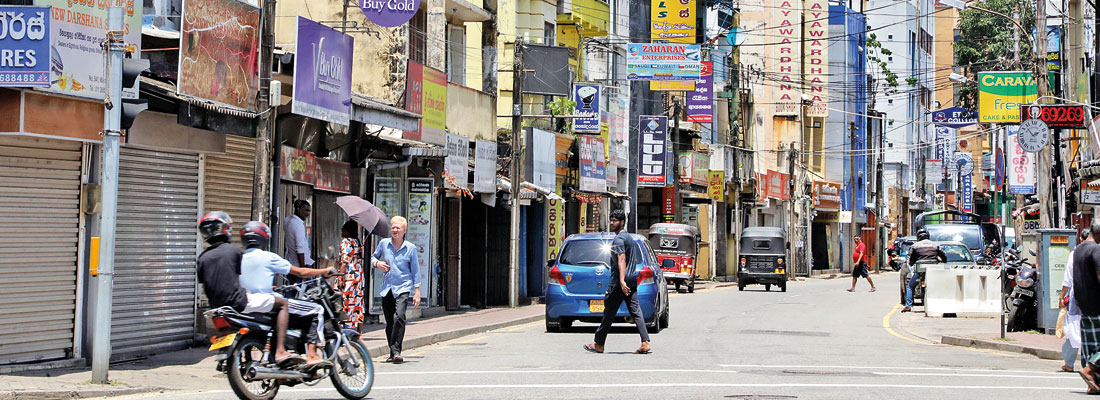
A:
[963,290]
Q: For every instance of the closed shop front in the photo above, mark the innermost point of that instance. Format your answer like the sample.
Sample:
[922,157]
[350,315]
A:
[155,282]
[39,235]
[228,179]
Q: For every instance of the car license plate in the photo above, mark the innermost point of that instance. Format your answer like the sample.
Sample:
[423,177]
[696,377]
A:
[595,306]
[1026,292]
[223,341]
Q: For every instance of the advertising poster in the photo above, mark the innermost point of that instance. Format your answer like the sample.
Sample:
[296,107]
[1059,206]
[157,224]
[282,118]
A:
[663,62]
[542,159]
[76,60]
[1021,166]
[457,165]
[652,159]
[419,233]
[593,172]
[25,44]
[700,102]
[298,165]
[673,21]
[322,73]
[219,50]
[717,186]
[587,96]
[387,195]
[787,53]
[485,166]
[933,171]
[1001,93]
[1057,257]
[815,62]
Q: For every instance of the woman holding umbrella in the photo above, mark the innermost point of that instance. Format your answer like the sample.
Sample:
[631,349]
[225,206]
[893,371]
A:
[351,264]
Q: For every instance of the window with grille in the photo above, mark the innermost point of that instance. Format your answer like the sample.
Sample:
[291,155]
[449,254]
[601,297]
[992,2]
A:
[418,37]
[456,54]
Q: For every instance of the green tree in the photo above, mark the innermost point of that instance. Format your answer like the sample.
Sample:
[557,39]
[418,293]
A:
[984,42]
[875,54]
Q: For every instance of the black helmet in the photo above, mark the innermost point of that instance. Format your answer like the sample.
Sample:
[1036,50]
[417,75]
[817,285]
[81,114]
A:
[214,226]
[255,234]
[923,235]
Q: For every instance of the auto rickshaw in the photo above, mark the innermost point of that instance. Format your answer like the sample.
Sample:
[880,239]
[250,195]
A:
[763,258]
[680,243]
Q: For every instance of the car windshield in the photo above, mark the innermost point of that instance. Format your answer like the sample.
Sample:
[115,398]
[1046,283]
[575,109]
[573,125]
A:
[956,253]
[970,235]
[591,252]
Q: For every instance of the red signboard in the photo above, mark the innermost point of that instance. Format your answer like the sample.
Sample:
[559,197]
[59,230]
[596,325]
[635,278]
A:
[298,165]
[1056,115]
[778,185]
[334,176]
[668,198]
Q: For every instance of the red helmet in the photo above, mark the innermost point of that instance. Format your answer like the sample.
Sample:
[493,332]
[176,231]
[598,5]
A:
[255,234]
[215,225]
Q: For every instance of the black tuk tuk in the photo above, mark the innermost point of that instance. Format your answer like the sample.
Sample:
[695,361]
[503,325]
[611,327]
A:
[763,258]
[679,243]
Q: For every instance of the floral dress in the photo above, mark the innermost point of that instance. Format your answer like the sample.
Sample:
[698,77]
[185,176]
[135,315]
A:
[353,282]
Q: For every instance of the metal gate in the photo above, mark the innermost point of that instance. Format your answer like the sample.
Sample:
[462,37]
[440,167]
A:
[155,281]
[39,232]
[228,179]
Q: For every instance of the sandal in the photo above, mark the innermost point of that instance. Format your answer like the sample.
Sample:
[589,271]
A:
[291,359]
[640,351]
[850,290]
[1089,380]
[591,349]
[317,365]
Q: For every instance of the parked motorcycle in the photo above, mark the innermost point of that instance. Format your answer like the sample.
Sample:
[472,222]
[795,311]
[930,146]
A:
[894,261]
[1021,303]
[245,342]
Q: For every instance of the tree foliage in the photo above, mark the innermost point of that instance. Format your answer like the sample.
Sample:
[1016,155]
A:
[984,42]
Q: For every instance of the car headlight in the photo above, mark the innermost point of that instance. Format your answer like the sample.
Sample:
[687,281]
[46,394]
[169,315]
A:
[1025,281]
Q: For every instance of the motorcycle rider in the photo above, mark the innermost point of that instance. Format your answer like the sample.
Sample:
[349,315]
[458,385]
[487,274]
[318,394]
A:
[219,267]
[923,250]
[258,269]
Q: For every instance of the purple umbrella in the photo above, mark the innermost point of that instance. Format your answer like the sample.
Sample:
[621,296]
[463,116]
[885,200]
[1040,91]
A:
[371,218]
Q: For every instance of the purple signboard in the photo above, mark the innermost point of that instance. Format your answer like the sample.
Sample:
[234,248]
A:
[389,13]
[700,104]
[322,73]
[587,97]
[653,159]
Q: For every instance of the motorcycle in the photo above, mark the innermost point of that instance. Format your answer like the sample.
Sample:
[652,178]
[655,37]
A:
[245,342]
[1021,303]
[894,261]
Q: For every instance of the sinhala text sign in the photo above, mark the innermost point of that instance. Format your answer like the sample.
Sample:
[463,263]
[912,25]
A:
[24,46]
[76,59]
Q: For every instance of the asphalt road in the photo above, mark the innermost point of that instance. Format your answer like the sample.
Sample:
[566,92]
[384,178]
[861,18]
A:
[816,341]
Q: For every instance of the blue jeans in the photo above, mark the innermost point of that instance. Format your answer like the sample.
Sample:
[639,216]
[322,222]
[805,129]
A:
[910,288]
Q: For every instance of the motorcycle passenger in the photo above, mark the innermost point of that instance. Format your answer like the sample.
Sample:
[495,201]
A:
[258,269]
[923,250]
[219,268]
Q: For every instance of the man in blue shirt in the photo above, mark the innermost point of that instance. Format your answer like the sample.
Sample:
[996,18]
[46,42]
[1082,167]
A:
[622,287]
[398,259]
[258,269]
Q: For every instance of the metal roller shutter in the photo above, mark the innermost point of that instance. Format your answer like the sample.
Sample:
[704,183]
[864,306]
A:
[155,281]
[228,179]
[39,231]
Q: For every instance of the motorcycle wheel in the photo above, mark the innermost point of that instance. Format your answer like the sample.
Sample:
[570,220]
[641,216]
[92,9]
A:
[248,350]
[355,386]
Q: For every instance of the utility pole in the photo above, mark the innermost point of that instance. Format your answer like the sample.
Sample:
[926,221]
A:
[112,133]
[1041,81]
[880,188]
[517,125]
[264,178]
[792,225]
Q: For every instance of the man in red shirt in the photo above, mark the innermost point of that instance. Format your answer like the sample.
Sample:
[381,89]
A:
[859,259]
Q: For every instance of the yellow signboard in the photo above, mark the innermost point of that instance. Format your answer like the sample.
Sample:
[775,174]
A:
[673,21]
[672,86]
[717,187]
[1001,93]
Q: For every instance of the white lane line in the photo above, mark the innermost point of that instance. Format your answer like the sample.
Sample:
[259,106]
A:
[893,368]
[555,371]
[690,385]
[1063,376]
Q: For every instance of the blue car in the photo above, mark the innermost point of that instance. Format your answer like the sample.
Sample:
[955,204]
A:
[579,278]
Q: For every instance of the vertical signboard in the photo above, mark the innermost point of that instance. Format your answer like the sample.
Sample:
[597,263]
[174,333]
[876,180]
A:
[541,172]
[673,21]
[433,125]
[414,96]
[219,52]
[717,185]
[787,53]
[75,58]
[457,165]
[1021,165]
[815,63]
[593,176]
[419,231]
[652,158]
[485,166]
[668,204]
[387,195]
[587,96]
[322,73]
[25,44]
[967,193]
[555,227]
[700,103]
[1001,93]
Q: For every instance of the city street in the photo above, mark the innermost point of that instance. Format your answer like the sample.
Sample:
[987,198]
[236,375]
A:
[816,341]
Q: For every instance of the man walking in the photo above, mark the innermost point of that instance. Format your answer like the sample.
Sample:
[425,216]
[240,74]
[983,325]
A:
[398,259]
[1086,292]
[859,260]
[1071,328]
[623,286]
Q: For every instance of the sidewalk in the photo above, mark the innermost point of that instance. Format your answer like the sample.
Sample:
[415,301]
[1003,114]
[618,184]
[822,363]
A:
[193,369]
[981,333]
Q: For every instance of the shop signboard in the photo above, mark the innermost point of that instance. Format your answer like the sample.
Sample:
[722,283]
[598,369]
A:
[456,165]
[652,160]
[75,58]
[431,86]
[593,173]
[1022,166]
[673,21]
[663,62]
[298,165]
[387,195]
[1070,116]
[322,73]
[700,102]
[668,201]
[787,56]
[485,166]
[1090,196]
[1000,95]
[333,176]
[717,185]
[541,147]
[219,52]
[419,232]
[414,96]
[587,96]
[672,86]
[826,196]
[954,117]
[815,62]
[25,46]
[693,167]
[967,193]
[933,171]
[555,227]
[389,13]
[777,185]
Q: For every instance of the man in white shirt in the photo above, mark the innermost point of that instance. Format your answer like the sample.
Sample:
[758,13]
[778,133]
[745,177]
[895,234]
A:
[1072,327]
[296,241]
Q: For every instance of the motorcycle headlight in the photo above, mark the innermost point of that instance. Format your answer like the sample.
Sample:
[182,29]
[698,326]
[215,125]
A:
[1025,281]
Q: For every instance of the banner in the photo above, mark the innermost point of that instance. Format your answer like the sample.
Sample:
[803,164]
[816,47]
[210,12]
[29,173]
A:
[954,117]
[673,21]
[672,86]
[485,167]
[322,73]
[587,96]
[787,53]
[967,193]
[593,168]
[77,28]
[1021,166]
[815,63]
[717,186]
[457,165]
[652,158]
[25,44]
[933,172]
[430,86]
[700,102]
[219,52]
[663,62]
[419,231]
[1001,93]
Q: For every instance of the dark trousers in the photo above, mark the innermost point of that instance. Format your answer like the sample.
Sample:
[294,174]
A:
[611,304]
[394,311]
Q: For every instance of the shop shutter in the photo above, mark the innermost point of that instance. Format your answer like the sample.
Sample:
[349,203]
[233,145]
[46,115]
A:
[155,281]
[39,231]
[228,179]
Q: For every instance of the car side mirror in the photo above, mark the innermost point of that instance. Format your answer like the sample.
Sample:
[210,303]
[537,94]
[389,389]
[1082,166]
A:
[551,262]
[668,263]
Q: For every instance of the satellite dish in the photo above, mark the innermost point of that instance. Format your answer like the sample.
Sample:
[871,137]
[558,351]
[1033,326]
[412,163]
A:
[736,36]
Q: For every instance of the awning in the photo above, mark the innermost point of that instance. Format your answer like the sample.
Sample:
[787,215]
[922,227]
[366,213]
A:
[465,11]
[1094,184]
[168,90]
[368,110]
[528,190]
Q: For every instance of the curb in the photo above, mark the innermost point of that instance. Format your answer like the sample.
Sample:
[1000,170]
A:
[75,394]
[1045,354]
[427,340]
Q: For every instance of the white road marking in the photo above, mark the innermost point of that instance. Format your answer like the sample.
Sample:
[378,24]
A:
[555,371]
[893,368]
[1060,376]
[688,385]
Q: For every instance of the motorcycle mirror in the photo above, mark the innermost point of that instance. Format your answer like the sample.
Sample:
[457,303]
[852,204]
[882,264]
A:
[1032,251]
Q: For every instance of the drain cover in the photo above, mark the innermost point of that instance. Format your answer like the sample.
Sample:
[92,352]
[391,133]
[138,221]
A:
[760,396]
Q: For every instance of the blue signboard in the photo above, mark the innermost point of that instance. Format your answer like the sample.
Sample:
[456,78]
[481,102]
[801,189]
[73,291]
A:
[587,97]
[663,62]
[954,117]
[24,46]
[967,193]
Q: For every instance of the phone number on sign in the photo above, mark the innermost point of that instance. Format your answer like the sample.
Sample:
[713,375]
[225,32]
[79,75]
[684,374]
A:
[36,78]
